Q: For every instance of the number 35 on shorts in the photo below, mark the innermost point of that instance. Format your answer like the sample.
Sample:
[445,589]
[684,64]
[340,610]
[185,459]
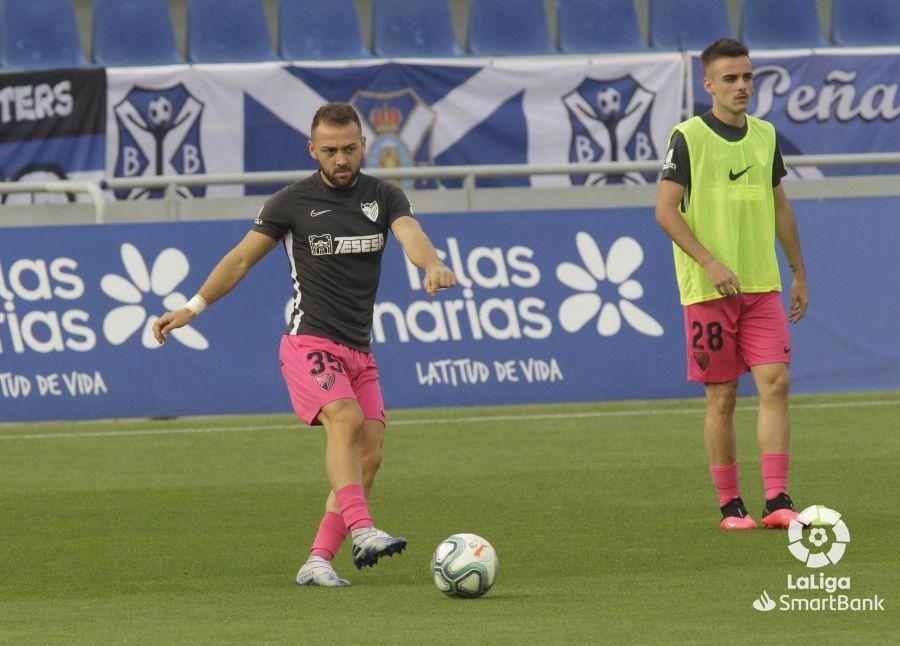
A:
[319,361]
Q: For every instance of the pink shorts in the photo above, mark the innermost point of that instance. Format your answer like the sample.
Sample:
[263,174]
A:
[727,336]
[319,371]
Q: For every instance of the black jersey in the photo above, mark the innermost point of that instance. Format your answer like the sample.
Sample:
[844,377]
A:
[334,239]
[678,162]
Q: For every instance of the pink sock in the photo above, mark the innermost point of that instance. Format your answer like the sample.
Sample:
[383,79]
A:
[332,532]
[726,481]
[351,500]
[775,473]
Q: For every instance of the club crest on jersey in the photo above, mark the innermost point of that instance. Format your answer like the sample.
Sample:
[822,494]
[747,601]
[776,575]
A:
[370,209]
[326,381]
[321,245]
[610,121]
[398,128]
[702,359]
[159,134]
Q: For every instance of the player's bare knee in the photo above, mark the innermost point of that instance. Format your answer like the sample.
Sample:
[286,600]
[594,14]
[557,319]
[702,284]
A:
[722,406]
[343,418]
[776,386]
[721,398]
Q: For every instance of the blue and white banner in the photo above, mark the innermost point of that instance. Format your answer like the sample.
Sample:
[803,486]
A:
[256,117]
[583,306]
[52,127]
[824,103]
[76,324]
[550,307]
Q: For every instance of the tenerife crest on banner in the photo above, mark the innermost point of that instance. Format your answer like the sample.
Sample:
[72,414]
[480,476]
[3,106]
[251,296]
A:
[610,122]
[398,127]
[159,134]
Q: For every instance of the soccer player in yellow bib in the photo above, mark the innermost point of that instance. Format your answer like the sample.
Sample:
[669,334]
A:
[722,203]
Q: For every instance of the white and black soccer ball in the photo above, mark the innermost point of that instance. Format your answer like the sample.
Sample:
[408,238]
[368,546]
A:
[464,565]
[160,110]
[609,101]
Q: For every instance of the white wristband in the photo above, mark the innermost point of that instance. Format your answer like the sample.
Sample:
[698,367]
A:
[197,304]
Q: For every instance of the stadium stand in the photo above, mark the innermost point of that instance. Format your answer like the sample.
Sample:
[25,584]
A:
[777,24]
[319,30]
[29,41]
[865,22]
[687,24]
[227,31]
[162,32]
[133,32]
[587,26]
[509,28]
[404,29]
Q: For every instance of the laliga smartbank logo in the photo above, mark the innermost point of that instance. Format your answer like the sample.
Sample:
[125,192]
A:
[818,537]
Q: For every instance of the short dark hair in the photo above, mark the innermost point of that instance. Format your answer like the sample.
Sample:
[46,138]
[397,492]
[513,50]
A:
[335,114]
[723,48]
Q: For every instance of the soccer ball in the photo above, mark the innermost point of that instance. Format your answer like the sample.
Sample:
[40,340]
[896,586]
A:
[464,565]
[160,110]
[609,101]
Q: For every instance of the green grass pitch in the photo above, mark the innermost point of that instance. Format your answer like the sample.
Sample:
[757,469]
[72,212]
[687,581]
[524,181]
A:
[603,515]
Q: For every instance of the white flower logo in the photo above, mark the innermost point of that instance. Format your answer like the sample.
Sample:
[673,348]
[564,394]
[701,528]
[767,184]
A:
[625,256]
[169,269]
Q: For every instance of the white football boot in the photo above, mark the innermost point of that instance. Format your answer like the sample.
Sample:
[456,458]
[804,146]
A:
[318,571]
[370,544]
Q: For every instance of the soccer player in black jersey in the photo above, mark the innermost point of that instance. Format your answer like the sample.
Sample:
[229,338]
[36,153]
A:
[333,226]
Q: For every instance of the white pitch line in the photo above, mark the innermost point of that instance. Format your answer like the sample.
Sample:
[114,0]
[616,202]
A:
[436,420]
[147,431]
[629,413]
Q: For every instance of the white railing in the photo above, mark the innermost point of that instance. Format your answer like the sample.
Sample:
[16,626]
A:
[170,184]
[94,189]
[469,173]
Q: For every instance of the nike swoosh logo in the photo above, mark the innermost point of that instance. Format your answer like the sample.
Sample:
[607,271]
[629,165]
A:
[786,349]
[733,176]
[314,213]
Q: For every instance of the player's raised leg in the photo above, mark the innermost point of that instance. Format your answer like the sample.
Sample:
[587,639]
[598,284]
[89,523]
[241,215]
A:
[718,434]
[773,433]
[370,447]
[369,546]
